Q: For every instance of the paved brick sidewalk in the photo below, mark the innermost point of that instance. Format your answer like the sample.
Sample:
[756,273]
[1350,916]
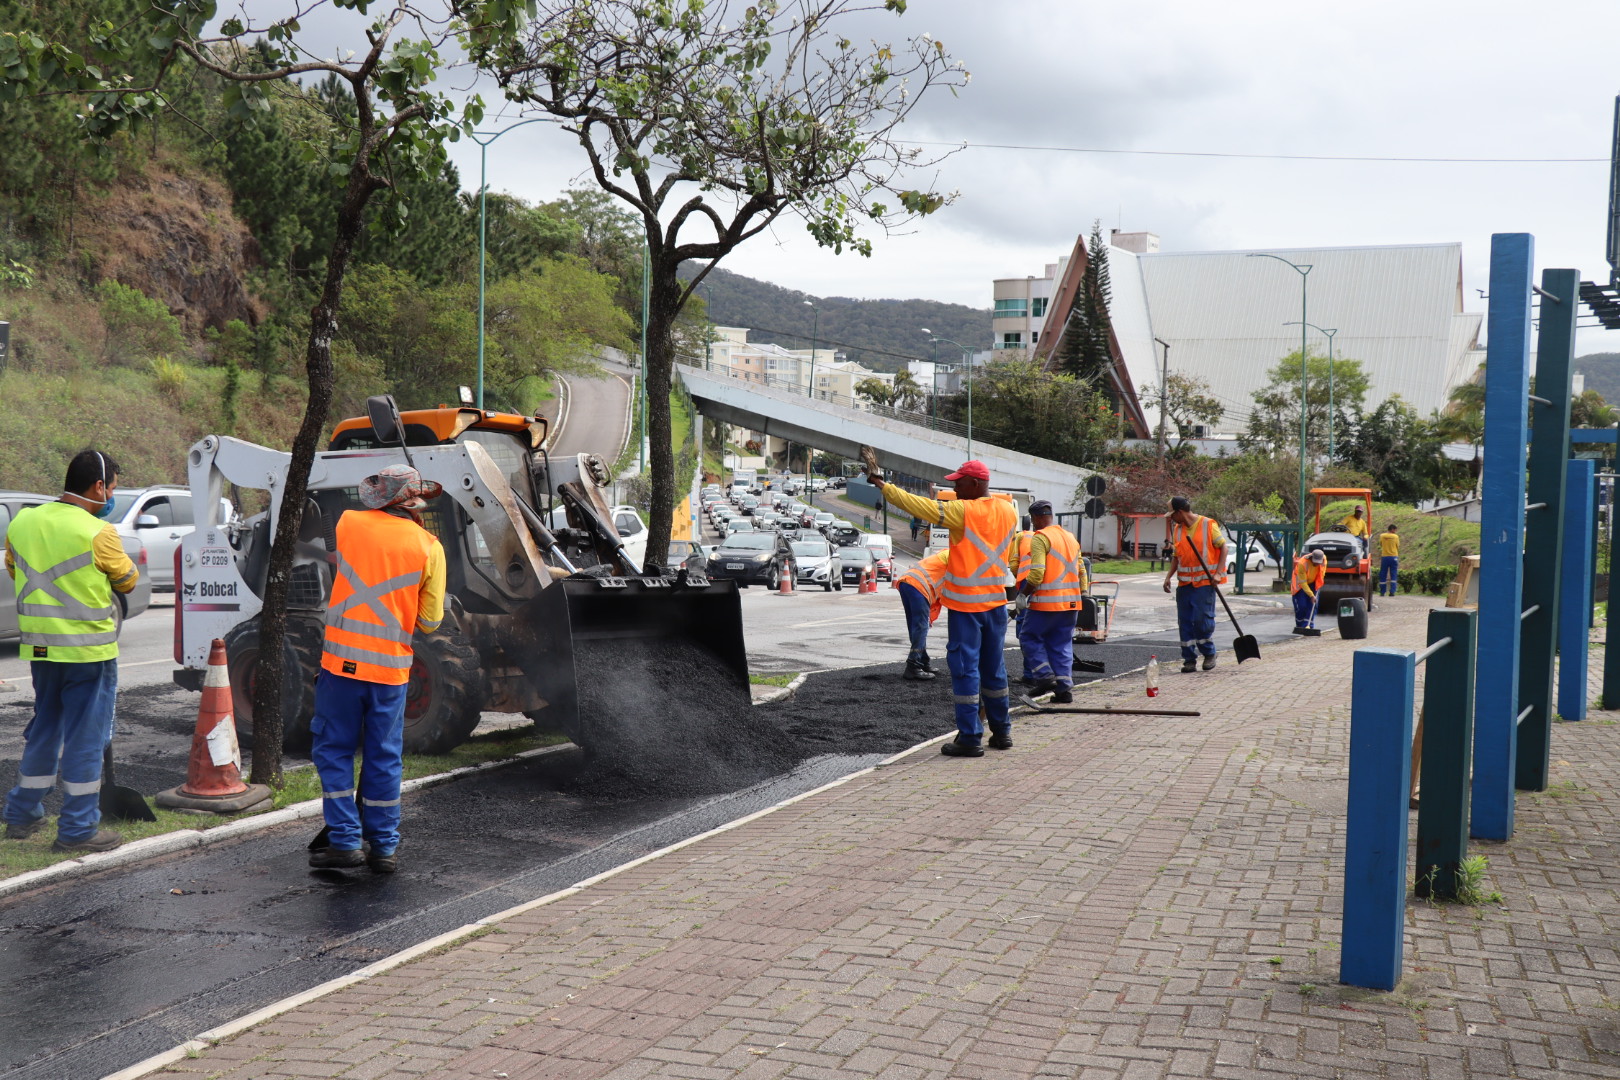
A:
[1112,899]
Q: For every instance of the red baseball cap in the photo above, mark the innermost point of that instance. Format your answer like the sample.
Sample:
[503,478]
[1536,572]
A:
[976,469]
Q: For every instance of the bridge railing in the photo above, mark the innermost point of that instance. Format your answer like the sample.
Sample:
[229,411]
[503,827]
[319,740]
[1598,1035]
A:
[795,385]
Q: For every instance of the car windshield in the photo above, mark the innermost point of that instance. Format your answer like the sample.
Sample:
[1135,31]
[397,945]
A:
[810,549]
[854,554]
[824,517]
[748,542]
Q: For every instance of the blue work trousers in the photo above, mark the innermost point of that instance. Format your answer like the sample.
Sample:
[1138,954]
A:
[978,670]
[351,715]
[1018,632]
[72,724]
[1389,568]
[1047,639]
[1195,615]
[916,607]
[1304,610]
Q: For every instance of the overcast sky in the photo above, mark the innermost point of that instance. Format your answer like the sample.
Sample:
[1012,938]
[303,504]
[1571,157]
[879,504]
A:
[1488,79]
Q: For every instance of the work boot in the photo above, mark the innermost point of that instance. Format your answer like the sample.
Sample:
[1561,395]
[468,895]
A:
[958,748]
[1209,663]
[1043,686]
[916,671]
[103,840]
[331,858]
[1189,666]
[1001,740]
[928,664]
[382,864]
[1063,696]
[23,832]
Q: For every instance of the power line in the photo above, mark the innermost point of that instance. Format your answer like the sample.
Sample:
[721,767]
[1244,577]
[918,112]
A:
[1270,157]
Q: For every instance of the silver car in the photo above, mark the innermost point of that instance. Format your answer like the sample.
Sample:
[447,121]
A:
[159,517]
[129,604]
[818,564]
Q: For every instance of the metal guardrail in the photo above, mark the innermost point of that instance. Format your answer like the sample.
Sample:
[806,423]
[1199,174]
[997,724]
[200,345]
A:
[917,417]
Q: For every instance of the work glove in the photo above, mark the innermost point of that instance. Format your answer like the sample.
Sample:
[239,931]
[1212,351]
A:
[1021,605]
[869,463]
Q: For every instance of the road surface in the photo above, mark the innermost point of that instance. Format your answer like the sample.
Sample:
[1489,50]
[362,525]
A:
[592,416]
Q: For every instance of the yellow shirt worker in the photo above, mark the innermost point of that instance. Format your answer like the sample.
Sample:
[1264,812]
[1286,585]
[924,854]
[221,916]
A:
[1389,562]
[974,593]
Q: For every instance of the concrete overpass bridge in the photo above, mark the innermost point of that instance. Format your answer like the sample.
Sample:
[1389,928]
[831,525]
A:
[841,428]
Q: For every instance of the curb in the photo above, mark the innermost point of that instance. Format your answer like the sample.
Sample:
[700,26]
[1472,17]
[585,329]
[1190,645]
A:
[780,692]
[224,1031]
[167,843]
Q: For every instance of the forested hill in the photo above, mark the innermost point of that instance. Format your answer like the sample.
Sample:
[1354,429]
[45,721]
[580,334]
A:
[1602,371]
[881,334]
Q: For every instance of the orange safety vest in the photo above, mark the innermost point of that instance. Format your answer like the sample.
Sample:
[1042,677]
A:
[1026,551]
[925,577]
[1193,542]
[380,562]
[1303,580]
[1061,588]
[976,568]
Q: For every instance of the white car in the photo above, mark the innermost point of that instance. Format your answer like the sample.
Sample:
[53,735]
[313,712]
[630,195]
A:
[158,517]
[818,564]
[1258,558]
[632,530]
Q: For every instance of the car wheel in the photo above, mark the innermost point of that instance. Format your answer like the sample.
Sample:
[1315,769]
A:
[774,581]
[839,585]
[826,586]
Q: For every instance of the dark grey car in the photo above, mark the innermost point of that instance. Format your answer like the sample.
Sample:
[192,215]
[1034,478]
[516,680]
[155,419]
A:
[129,604]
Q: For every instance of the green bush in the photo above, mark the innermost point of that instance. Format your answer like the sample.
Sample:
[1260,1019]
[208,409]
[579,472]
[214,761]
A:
[137,326]
[1428,579]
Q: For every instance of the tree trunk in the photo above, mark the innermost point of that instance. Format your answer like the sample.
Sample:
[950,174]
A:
[663,300]
[267,720]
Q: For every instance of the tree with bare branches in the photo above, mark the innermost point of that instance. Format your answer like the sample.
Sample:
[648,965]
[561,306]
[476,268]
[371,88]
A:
[399,127]
[710,120]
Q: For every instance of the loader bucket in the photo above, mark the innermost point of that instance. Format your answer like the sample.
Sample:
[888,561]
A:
[572,631]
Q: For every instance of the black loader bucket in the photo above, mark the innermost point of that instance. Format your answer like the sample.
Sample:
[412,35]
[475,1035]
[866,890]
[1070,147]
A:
[583,631]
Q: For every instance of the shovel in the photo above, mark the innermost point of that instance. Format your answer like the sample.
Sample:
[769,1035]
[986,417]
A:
[120,803]
[1244,646]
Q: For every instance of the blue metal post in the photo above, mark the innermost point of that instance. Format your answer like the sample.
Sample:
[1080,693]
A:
[1381,699]
[1501,572]
[1575,607]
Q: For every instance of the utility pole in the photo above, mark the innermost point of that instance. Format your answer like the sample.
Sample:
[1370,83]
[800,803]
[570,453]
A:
[1164,395]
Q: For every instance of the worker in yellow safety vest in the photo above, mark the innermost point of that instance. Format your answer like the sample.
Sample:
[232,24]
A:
[389,583]
[974,594]
[67,562]
[920,599]
[1194,538]
[1051,591]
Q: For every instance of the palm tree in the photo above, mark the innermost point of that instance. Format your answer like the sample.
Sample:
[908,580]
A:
[907,392]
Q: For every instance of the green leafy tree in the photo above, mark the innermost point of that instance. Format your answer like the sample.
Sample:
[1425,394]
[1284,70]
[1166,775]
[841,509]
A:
[551,321]
[1398,448]
[874,390]
[138,327]
[1274,422]
[708,122]
[122,77]
[1019,405]
[519,238]
[1187,403]
[907,392]
[1591,411]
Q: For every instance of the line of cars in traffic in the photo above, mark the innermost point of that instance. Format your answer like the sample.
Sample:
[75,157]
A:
[767,536]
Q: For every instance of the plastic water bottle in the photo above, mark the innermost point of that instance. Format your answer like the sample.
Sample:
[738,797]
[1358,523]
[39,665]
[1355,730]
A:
[1153,677]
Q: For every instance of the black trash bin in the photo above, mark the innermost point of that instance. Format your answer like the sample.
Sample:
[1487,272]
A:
[1352,617]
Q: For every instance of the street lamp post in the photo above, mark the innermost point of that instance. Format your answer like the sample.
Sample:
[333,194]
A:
[1304,270]
[815,328]
[1329,335]
[966,360]
[483,139]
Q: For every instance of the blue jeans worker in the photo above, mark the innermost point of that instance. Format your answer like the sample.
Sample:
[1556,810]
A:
[1310,572]
[1052,586]
[390,581]
[66,562]
[974,592]
[1197,565]
[1389,561]
[920,600]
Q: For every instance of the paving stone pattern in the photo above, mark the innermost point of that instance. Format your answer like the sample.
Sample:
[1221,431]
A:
[1114,898]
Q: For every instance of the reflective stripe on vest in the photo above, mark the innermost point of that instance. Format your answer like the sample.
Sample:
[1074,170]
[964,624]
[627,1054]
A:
[1026,552]
[1299,581]
[1198,538]
[369,622]
[1060,589]
[65,606]
[976,570]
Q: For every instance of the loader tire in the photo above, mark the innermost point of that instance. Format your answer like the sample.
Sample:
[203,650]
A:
[445,697]
[300,662]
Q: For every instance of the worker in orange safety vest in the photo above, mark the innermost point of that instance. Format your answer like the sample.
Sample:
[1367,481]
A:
[389,583]
[1194,538]
[1310,571]
[1051,591]
[920,599]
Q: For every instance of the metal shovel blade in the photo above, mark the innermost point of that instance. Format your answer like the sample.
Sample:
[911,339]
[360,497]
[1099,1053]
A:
[1246,647]
[120,803]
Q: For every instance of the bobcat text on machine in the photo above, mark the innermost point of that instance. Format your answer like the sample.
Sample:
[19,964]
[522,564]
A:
[524,602]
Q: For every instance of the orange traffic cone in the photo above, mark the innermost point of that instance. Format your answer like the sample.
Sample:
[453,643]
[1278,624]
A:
[868,582]
[784,584]
[213,775]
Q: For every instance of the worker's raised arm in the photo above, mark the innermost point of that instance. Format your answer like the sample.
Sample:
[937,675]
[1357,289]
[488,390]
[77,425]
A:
[948,515]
